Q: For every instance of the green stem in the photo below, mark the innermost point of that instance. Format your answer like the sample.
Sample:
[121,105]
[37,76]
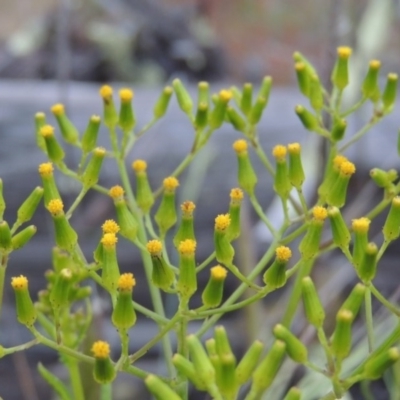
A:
[369,318]
[324,343]
[263,157]
[3,266]
[293,303]
[391,307]
[75,204]
[75,376]
[182,387]
[261,214]
[205,262]
[20,347]
[287,239]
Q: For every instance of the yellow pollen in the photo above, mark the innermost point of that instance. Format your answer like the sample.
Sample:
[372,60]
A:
[374,64]
[294,148]
[299,66]
[58,109]
[154,247]
[187,247]
[106,92]
[109,240]
[283,253]
[187,208]
[339,160]
[95,118]
[347,168]
[19,282]
[344,52]
[126,95]
[240,146]
[101,349]
[225,95]
[236,194]
[392,76]
[110,226]
[320,213]
[360,225]
[170,183]
[219,273]
[279,152]
[139,165]
[99,151]
[55,206]
[47,131]
[126,282]
[46,169]
[116,192]
[222,222]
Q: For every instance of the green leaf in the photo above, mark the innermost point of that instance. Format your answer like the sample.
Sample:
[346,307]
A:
[54,382]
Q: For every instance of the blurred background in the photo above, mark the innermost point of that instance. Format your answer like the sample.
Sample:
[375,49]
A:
[63,50]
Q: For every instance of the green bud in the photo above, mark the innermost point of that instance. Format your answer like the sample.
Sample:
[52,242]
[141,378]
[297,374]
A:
[166,214]
[380,177]
[213,292]
[103,371]
[340,232]
[309,245]
[248,363]
[186,368]
[257,110]
[367,269]
[127,119]
[61,259]
[2,202]
[5,237]
[236,119]
[110,273]
[275,276]
[201,120]
[187,282]
[303,77]
[40,121]
[340,73]
[224,252]
[67,128]
[126,220]
[338,129]
[266,371]
[331,174]
[246,99]
[28,207]
[183,97]
[59,294]
[308,119]
[203,92]
[53,148]
[144,195]
[247,178]
[298,57]
[341,339]
[312,305]
[186,228]
[89,137]
[390,93]
[124,315]
[296,350]
[162,274]
[378,364]
[49,183]
[293,394]
[296,172]
[91,174]
[160,389]
[337,195]
[391,228]
[202,364]
[265,88]
[26,312]
[370,87]
[360,228]
[110,115]
[217,115]
[282,185]
[234,228]
[161,106]
[354,300]
[66,237]
[23,237]
[316,94]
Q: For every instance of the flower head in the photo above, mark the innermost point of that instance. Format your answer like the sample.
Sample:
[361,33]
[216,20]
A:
[46,169]
[19,282]
[170,183]
[110,226]
[283,253]
[55,206]
[106,92]
[236,194]
[360,225]
[116,192]
[154,247]
[58,109]
[279,152]
[126,282]
[222,222]
[294,148]
[126,95]
[218,272]
[344,52]
[347,168]
[320,213]
[139,166]
[240,146]
[187,247]
[101,349]
[109,240]
[47,131]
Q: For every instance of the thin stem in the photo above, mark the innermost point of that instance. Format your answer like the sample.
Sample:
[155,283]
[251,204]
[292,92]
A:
[383,248]
[205,262]
[75,376]
[3,267]
[369,318]
[261,214]
[263,157]
[391,307]
[76,202]
[20,347]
